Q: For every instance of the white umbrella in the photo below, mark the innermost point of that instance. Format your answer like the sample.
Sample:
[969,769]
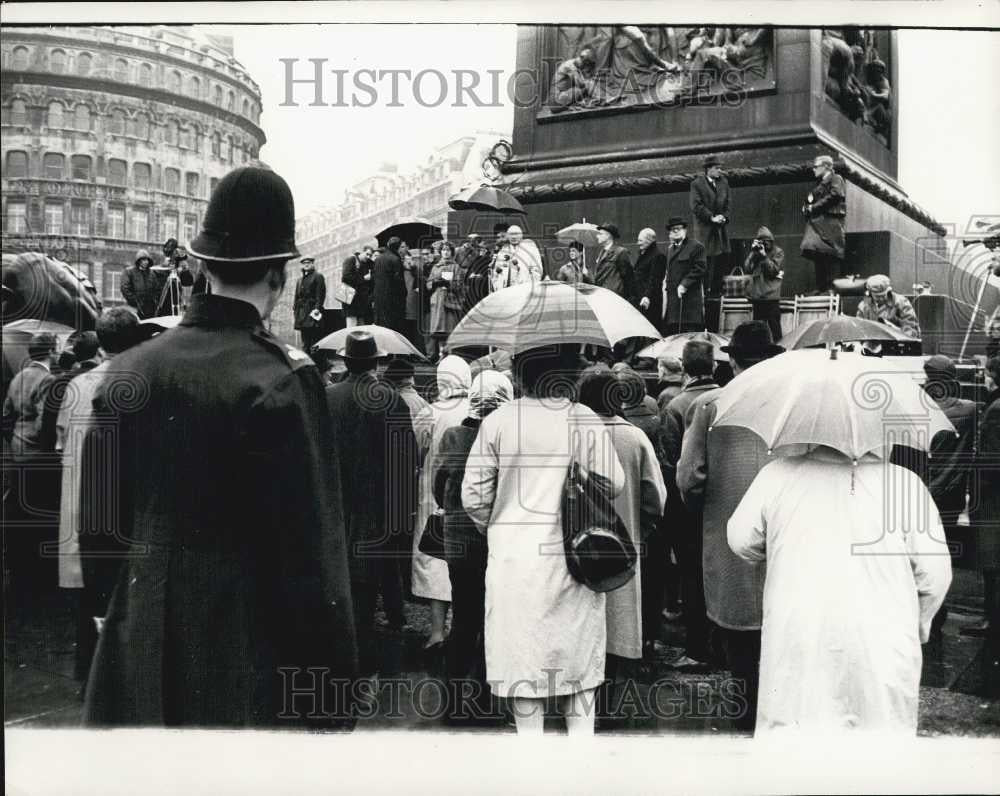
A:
[389,340]
[673,346]
[852,403]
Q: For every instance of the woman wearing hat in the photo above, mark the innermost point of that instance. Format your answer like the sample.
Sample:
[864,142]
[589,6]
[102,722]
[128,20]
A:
[710,202]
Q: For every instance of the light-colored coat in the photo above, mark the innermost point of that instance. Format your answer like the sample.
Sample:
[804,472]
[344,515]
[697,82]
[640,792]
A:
[856,569]
[545,632]
[639,505]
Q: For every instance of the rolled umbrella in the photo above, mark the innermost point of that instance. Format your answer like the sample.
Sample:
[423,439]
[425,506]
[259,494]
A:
[546,312]
[414,232]
[839,329]
[674,345]
[486,199]
[390,341]
[852,403]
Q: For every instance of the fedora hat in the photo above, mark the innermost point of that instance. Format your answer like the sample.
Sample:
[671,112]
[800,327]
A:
[250,217]
[676,221]
[752,338]
[361,345]
[711,160]
[611,229]
[307,261]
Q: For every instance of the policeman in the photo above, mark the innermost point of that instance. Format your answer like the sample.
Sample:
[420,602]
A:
[881,303]
[233,603]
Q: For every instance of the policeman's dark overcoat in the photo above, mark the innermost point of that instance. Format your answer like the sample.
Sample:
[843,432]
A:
[230,507]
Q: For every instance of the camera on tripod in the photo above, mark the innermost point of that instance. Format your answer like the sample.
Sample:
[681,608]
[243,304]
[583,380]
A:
[178,276]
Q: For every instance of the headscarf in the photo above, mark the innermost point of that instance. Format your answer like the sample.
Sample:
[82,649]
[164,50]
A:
[453,377]
[489,389]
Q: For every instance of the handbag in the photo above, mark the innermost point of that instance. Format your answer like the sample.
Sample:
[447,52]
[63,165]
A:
[599,552]
[432,539]
[736,284]
[344,294]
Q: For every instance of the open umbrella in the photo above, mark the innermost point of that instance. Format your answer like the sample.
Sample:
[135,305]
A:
[485,199]
[162,321]
[839,329]
[414,232]
[852,403]
[17,335]
[581,232]
[542,313]
[673,346]
[390,341]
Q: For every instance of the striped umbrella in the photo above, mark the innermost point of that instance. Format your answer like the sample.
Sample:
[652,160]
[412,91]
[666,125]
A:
[547,312]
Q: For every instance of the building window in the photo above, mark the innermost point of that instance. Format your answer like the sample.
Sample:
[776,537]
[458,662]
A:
[174,82]
[116,221]
[145,75]
[231,101]
[17,165]
[81,118]
[18,113]
[116,123]
[53,166]
[79,218]
[53,218]
[19,59]
[57,61]
[212,182]
[55,119]
[194,87]
[168,226]
[17,218]
[141,175]
[190,227]
[231,149]
[170,133]
[191,183]
[246,107]
[139,221]
[117,172]
[84,63]
[217,96]
[171,181]
[80,166]
[216,145]
[224,152]
[141,125]
[112,284]
[184,137]
[121,70]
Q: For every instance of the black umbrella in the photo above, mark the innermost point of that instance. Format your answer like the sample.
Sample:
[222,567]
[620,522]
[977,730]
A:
[486,199]
[414,232]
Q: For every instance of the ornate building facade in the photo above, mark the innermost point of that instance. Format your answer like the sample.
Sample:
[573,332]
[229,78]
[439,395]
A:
[378,201]
[113,139]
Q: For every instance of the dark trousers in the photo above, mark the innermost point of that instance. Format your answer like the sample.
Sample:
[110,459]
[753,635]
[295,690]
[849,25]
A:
[310,336]
[411,330]
[465,657]
[742,648]
[826,269]
[656,557]
[768,310]
[688,548]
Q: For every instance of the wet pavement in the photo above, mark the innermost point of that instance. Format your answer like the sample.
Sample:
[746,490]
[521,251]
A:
[40,689]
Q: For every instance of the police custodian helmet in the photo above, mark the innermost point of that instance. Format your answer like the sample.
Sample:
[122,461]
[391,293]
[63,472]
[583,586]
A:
[250,218]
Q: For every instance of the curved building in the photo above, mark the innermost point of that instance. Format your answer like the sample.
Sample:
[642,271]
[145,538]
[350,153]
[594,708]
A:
[113,139]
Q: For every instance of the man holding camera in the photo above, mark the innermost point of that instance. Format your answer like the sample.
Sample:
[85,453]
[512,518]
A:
[764,266]
[176,276]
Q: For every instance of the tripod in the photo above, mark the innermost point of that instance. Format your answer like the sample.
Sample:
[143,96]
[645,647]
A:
[172,293]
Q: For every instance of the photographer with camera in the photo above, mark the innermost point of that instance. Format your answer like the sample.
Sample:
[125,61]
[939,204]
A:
[764,267]
[175,276]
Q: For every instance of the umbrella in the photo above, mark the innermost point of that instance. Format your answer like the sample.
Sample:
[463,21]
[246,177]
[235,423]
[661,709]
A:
[852,403]
[673,346]
[390,341]
[581,232]
[839,329]
[486,199]
[414,232]
[546,312]
[498,360]
[162,321]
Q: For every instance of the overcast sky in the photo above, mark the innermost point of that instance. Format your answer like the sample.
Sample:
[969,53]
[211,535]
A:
[948,95]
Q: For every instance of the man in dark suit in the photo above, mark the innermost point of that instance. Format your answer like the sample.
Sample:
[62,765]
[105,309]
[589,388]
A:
[613,269]
[356,272]
[310,296]
[651,258]
[709,196]
[233,587]
[675,299]
[389,288]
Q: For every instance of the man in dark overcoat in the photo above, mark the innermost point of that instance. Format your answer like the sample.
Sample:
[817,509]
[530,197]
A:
[675,298]
[356,272]
[825,210]
[651,258]
[373,429]
[142,285]
[232,606]
[613,269]
[389,292]
[310,296]
[710,207]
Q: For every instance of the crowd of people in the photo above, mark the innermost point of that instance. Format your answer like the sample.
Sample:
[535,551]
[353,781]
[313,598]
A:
[232,517]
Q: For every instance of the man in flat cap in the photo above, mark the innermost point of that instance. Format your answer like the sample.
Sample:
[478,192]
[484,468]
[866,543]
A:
[825,210]
[710,203]
[233,604]
[882,304]
[310,296]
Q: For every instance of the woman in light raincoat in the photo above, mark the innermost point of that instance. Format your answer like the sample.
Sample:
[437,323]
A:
[857,566]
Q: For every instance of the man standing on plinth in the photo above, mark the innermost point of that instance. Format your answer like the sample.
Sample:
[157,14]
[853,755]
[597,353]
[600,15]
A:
[825,210]
[310,295]
[709,197]
[675,297]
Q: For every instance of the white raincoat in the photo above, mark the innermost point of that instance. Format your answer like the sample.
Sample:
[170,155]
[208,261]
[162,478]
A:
[857,566]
